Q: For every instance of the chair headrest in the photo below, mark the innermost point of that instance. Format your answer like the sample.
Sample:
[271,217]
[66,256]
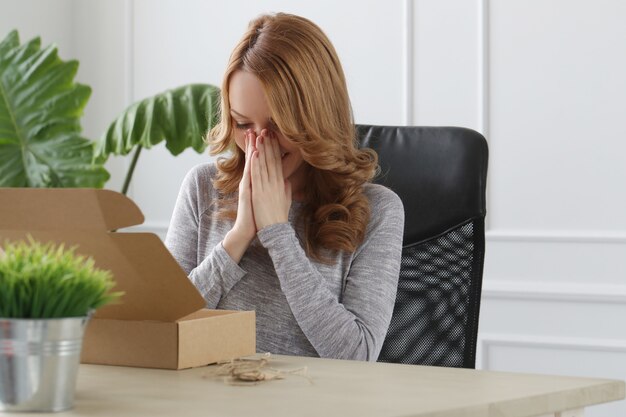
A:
[439,173]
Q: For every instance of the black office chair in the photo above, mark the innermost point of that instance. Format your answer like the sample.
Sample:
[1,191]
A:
[439,173]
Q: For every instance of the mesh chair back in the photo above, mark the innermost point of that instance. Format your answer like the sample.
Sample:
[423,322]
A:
[439,173]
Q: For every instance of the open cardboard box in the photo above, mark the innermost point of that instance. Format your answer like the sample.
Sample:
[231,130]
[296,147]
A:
[161,322]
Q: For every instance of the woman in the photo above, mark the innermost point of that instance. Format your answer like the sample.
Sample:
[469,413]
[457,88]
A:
[287,223]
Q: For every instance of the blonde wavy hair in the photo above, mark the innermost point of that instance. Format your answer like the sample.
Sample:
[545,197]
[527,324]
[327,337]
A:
[307,94]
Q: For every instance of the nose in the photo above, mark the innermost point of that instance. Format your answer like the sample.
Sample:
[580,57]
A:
[258,129]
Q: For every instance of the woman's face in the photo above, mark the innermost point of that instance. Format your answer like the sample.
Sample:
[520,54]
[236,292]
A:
[249,110]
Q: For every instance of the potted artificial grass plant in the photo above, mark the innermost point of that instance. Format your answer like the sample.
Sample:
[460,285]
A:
[47,294]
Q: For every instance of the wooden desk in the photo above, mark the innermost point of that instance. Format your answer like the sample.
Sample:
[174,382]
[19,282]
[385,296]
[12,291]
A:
[338,388]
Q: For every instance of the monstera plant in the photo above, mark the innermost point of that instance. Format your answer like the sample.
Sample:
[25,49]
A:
[40,109]
[180,116]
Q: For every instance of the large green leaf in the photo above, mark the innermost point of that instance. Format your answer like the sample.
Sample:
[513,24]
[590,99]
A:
[40,110]
[181,117]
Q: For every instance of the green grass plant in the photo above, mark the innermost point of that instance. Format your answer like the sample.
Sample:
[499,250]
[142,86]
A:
[42,281]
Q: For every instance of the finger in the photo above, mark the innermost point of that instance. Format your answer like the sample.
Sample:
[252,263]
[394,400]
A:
[261,150]
[248,153]
[255,172]
[252,137]
[246,143]
[245,149]
[270,155]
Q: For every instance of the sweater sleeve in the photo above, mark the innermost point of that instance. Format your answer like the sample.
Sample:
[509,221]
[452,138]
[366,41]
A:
[355,326]
[216,274]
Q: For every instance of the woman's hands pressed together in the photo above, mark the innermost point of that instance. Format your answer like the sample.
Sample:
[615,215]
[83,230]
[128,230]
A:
[271,193]
[264,195]
[244,224]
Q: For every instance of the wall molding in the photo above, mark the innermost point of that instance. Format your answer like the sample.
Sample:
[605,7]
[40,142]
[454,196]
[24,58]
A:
[555,236]
[519,236]
[560,292]
[129,51]
[483,84]
[483,67]
[129,68]
[488,340]
[409,103]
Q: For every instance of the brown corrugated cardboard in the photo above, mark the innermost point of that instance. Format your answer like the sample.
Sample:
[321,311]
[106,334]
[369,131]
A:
[161,322]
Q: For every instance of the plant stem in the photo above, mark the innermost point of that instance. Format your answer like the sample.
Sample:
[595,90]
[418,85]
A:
[131,169]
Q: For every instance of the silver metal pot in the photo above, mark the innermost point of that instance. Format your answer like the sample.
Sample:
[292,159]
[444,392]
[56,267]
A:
[39,361]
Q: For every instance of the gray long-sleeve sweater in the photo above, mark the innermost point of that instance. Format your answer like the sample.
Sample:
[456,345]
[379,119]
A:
[302,307]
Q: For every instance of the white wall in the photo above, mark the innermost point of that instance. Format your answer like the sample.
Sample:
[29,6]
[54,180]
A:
[545,82]
[555,275]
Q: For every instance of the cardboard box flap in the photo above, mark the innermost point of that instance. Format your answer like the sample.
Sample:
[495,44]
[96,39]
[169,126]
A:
[155,286]
[66,208]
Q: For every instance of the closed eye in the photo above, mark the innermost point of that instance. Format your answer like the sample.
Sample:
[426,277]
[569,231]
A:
[242,126]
